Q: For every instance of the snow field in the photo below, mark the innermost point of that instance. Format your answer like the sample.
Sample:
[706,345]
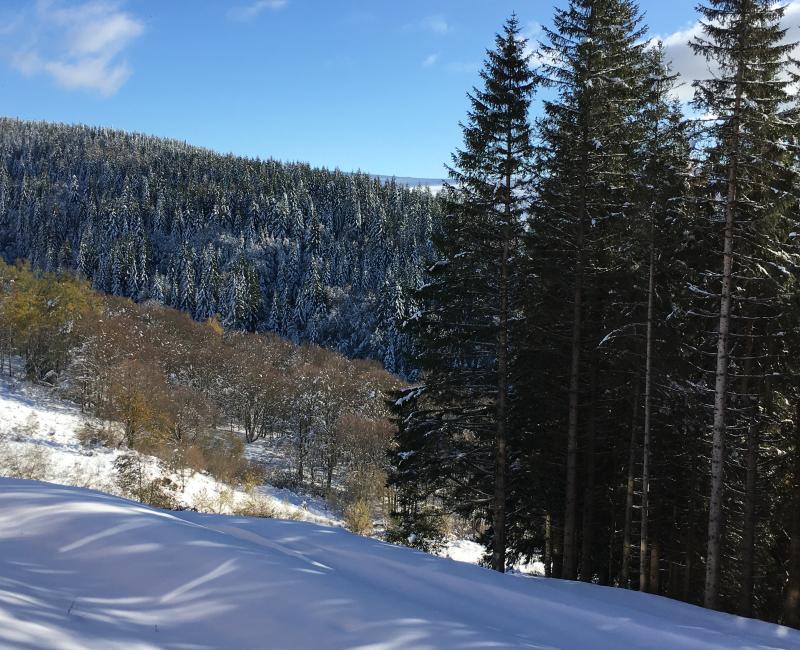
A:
[81,569]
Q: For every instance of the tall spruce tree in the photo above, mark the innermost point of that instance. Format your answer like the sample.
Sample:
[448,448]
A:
[790,388]
[467,327]
[786,491]
[664,154]
[594,61]
[745,41]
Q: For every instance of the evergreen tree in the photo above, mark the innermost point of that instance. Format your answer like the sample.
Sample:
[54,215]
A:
[467,325]
[208,288]
[665,154]
[745,40]
[594,61]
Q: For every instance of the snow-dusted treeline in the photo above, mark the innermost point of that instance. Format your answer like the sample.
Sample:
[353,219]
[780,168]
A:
[311,254]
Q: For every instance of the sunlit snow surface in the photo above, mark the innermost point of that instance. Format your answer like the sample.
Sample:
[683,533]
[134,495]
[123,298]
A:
[464,550]
[82,569]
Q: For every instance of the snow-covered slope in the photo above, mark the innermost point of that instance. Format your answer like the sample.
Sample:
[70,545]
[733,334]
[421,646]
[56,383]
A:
[41,431]
[81,569]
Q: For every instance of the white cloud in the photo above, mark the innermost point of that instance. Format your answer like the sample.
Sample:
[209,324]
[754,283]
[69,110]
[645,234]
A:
[9,25]
[94,73]
[457,67]
[250,11]
[78,46]
[436,24]
[430,60]
[107,34]
[532,32]
[684,61]
[692,67]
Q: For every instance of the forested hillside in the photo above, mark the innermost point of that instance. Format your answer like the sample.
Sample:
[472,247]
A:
[313,255]
[195,395]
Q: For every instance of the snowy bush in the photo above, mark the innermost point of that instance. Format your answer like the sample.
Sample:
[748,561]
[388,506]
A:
[221,502]
[91,477]
[27,462]
[358,517]
[423,528]
[255,505]
[134,480]
[26,430]
[94,435]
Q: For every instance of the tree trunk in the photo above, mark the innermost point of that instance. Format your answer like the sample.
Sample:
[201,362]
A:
[749,528]
[751,464]
[791,604]
[568,571]
[629,492]
[548,546]
[689,543]
[501,435]
[500,451]
[300,455]
[671,555]
[648,393]
[588,489]
[606,572]
[714,552]
[558,557]
[654,583]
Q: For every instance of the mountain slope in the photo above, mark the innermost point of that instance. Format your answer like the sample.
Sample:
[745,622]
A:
[315,255]
[40,438]
[81,569]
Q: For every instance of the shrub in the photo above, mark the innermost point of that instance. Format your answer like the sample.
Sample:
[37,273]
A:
[224,457]
[358,517]
[255,505]
[85,476]
[194,457]
[423,529]
[202,501]
[28,462]
[253,475]
[159,493]
[47,316]
[92,435]
[282,479]
[223,502]
[133,481]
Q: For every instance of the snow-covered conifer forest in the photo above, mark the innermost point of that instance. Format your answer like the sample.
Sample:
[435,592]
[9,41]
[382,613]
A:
[580,357]
[313,255]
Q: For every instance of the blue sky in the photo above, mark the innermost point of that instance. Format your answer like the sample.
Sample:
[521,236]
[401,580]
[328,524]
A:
[378,86]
